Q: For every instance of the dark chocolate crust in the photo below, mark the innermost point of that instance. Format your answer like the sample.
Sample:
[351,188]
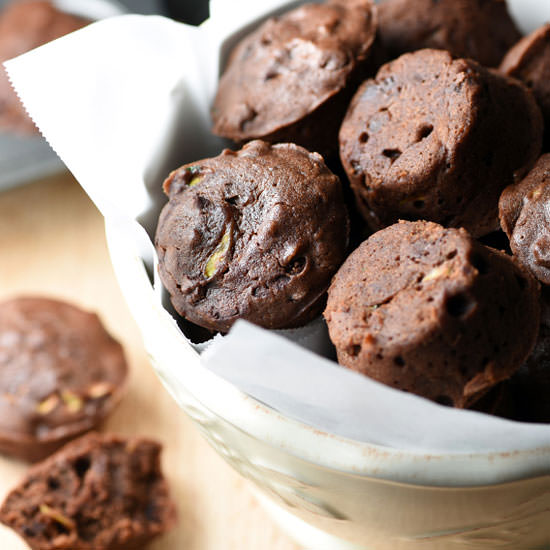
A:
[255,234]
[292,78]
[99,492]
[529,61]
[23,27]
[438,138]
[61,374]
[430,311]
[525,217]
[477,29]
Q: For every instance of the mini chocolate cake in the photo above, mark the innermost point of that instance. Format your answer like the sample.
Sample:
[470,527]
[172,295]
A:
[255,234]
[478,29]
[531,384]
[529,60]
[61,374]
[438,138]
[292,78]
[430,311]
[97,493]
[499,401]
[23,27]
[524,396]
[525,217]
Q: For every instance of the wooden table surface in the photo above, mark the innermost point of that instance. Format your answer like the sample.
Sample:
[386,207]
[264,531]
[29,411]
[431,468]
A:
[52,243]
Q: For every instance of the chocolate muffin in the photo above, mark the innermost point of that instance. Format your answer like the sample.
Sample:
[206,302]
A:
[478,29]
[61,374]
[430,311]
[499,401]
[255,234]
[99,492]
[438,138]
[529,61]
[531,384]
[25,25]
[292,78]
[525,217]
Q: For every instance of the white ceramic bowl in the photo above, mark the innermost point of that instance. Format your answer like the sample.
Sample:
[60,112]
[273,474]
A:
[333,493]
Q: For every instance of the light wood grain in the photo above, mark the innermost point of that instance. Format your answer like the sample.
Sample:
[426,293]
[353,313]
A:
[52,243]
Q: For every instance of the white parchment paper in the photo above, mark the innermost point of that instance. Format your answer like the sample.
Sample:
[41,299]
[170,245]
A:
[126,100]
